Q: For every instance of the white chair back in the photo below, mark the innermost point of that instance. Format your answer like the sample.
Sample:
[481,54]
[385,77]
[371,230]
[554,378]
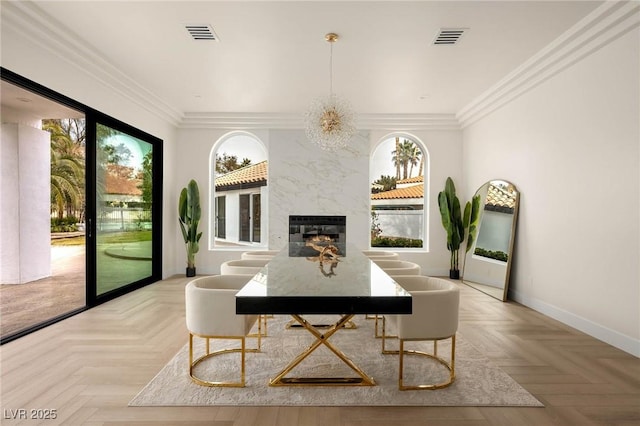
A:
[381,254]
[259,254]
[398,267]
[242,267]
[211,306]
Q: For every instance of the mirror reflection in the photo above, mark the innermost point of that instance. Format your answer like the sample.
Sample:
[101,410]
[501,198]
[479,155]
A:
[488,263]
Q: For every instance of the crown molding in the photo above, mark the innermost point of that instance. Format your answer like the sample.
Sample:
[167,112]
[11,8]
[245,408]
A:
[30,22]
[246,121]
[240,120]
[605,24]
[407,122]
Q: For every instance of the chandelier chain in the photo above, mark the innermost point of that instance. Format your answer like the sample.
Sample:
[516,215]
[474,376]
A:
[331,68]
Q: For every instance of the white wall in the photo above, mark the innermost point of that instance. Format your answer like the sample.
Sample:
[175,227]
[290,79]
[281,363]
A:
[303,179]
[36,62]
[25,221]
[571,146]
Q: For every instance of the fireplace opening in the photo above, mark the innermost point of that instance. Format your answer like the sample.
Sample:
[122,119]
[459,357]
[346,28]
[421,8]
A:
[316,231]
[320,228]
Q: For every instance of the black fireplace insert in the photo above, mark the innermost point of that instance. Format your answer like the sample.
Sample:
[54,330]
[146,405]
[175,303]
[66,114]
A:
[329,228]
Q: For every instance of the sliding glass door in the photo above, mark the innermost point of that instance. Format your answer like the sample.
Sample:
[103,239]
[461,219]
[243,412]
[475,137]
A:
[81,208]
[124,199]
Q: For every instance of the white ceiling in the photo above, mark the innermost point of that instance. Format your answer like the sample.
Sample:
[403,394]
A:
[271,57]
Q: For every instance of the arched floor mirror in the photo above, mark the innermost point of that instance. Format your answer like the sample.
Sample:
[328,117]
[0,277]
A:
[488,262]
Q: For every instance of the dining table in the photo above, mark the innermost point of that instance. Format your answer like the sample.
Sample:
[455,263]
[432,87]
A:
[322,278]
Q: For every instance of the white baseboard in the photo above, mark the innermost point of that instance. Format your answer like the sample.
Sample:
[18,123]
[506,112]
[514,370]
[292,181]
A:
[600,332]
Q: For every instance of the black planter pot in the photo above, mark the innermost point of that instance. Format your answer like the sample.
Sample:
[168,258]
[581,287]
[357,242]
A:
[191,272]
[454,274]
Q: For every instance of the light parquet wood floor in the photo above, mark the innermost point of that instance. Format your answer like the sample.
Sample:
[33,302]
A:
[88,367]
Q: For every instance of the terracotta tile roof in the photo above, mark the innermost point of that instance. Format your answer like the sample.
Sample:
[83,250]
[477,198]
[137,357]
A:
[501,197]
[415,179]
[252,174]
[414,191]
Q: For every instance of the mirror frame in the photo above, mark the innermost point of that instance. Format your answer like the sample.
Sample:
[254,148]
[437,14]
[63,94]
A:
[487,289]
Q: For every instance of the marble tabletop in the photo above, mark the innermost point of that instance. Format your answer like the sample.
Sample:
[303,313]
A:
[322,278]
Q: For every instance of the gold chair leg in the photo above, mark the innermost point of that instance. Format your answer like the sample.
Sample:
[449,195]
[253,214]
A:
[448,365]
[208,354]
[262,332]
[384,338]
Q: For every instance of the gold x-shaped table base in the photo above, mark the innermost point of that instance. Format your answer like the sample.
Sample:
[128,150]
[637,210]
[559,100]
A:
[322,339]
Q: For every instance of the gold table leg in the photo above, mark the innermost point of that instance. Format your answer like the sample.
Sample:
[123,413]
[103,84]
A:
[322,339]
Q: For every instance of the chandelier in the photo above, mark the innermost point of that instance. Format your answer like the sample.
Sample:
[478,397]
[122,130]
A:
[330,120]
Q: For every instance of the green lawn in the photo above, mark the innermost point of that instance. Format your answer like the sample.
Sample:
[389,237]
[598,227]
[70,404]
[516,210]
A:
[110,238]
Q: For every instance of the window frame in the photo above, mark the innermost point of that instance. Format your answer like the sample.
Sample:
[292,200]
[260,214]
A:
[426,193]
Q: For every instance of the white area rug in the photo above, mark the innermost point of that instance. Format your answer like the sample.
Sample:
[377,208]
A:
[478,382]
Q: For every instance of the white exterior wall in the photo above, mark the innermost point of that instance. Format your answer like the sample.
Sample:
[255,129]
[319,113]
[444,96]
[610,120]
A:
[232,215]
[401,223]
[25,252]
[571,146]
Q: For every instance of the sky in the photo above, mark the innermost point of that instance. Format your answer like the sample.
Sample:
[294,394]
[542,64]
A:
[137,148]
[243,147]
[381,161]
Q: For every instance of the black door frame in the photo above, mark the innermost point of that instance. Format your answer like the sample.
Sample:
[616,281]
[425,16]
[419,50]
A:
[93,117]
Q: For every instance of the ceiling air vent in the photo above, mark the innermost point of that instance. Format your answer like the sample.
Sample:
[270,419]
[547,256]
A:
[449,36]
[201,32]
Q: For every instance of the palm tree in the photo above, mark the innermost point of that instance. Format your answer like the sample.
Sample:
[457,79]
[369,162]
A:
[67,168]
[414,154]
[396,158]
[405,154]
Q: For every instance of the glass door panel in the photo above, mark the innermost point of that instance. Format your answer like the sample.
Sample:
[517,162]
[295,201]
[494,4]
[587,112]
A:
[42,203]
[123,209]
[221,221]
[256,218]
[245,226]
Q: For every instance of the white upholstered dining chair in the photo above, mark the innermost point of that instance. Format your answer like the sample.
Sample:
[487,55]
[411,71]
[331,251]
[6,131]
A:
[434,318]
[246,267]
[211,314]
[393,267]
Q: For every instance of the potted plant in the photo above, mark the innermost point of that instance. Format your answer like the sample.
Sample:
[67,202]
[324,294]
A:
[189,213]
[456,224]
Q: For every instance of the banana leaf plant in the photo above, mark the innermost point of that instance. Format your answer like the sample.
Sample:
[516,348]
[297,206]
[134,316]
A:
[471,220]
[456,224]
[189,213]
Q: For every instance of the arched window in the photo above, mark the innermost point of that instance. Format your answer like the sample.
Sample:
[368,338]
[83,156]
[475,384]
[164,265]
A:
[239,190]
[398,172]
